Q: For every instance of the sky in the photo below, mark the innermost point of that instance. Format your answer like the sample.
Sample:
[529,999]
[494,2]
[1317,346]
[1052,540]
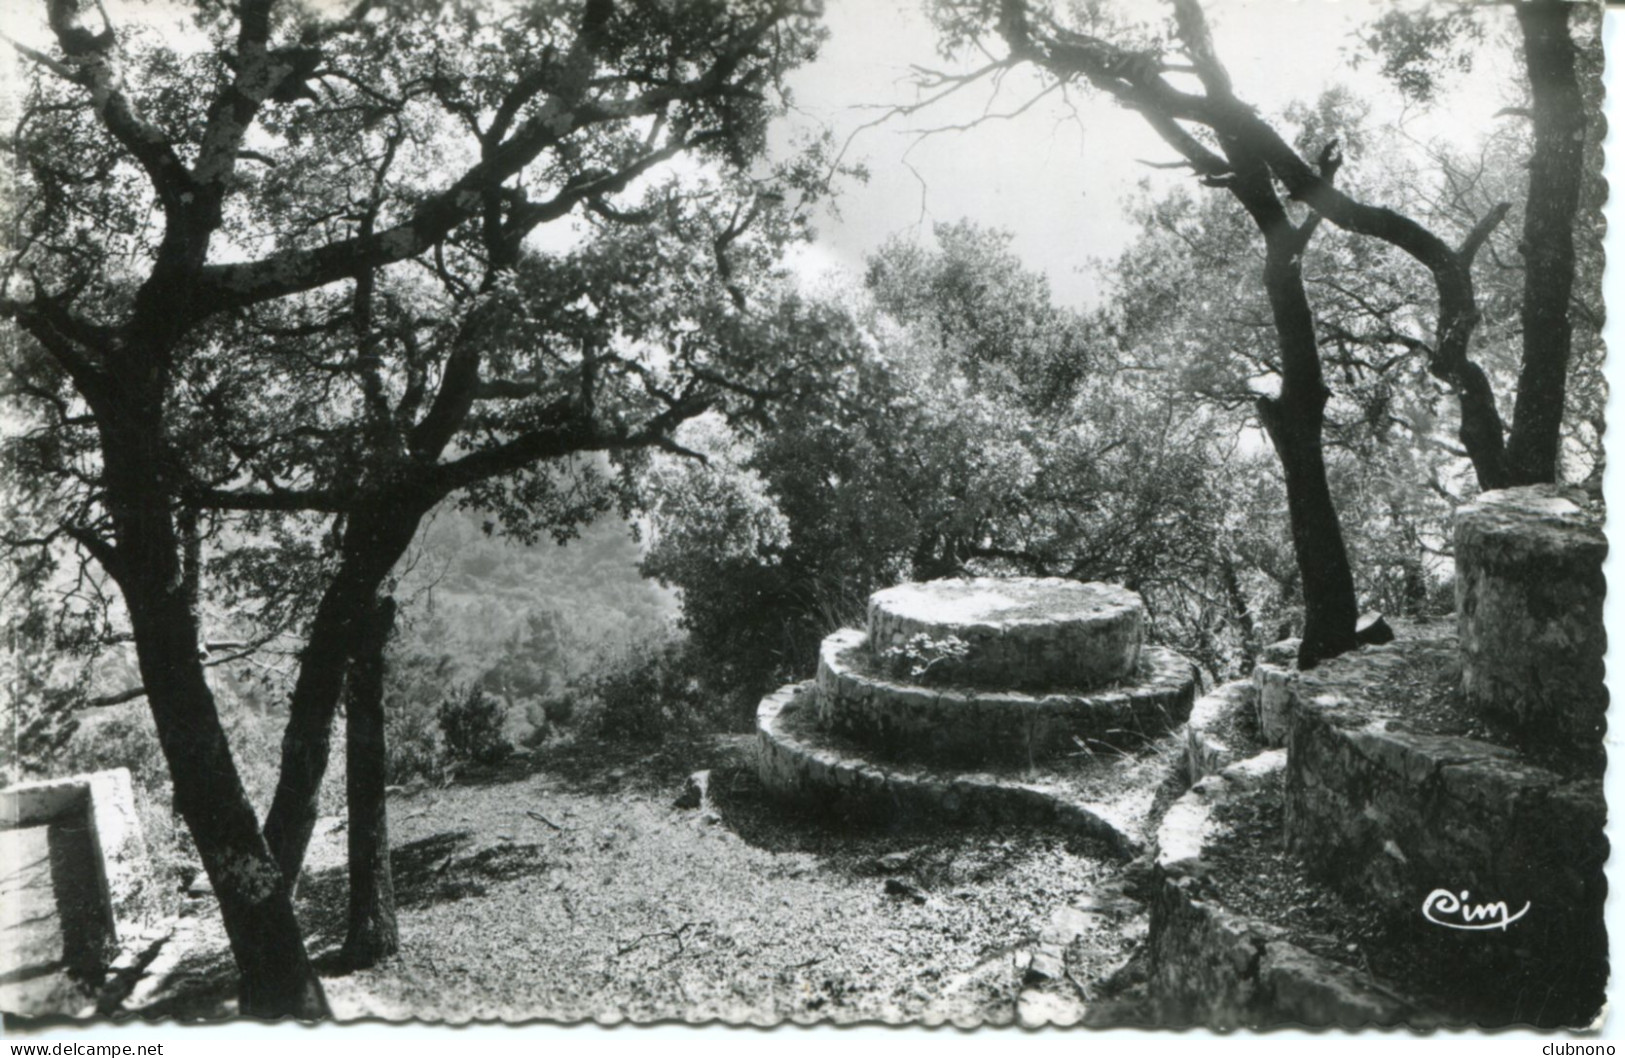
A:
[1056,175]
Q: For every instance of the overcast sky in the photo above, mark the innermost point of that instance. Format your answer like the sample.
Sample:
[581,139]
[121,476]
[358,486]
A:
[1056,176]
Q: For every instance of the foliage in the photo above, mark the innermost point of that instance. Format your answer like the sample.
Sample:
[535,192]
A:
[1419,49]
[973,425]
[922,653]
[649,693]
[472,723]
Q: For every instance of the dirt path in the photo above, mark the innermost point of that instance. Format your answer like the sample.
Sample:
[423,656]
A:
[579,891]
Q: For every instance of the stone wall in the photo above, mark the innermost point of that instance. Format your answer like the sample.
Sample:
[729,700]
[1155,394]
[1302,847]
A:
[1211,966]
[1390,815]
[1529,591]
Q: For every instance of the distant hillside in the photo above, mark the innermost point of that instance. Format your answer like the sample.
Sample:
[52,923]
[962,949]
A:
[483,599]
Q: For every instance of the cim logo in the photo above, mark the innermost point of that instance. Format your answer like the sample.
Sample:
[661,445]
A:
[1452,911]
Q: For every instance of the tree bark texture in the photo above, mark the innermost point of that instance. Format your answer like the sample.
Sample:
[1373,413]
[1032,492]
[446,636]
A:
[374,540]
[1556,172]
[1294,421]
[373,934]
[275,975]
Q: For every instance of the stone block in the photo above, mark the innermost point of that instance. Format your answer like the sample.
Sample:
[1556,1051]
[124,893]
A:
[1272,690]
[77,883]
[1207,752]
[1304,988]
[1529,595]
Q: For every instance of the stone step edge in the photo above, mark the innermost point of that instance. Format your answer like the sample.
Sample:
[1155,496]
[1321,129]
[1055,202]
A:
[1206,753]
[787,765]
[1166,671]
[1261,978]
[1453,762]
[878,711]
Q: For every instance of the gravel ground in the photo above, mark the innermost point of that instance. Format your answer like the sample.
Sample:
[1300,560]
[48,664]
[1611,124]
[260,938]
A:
[572,888]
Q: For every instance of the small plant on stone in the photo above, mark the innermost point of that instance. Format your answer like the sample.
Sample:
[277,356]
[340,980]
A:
[922,654]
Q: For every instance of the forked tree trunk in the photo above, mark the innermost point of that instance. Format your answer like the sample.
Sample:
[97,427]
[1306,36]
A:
[374,541]
[1556,171]
[373,934]
[275,978]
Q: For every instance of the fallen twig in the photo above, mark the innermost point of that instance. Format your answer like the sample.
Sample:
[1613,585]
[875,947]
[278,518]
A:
[543,819]
[674,934]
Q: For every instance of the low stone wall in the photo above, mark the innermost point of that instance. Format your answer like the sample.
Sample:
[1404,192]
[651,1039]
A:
[77,887]
[1018,632]
[822,777]
[908,721]
[1529,594]
[1211,742]
[1393,815]
[1278,686]
[108,801]
[1213,967]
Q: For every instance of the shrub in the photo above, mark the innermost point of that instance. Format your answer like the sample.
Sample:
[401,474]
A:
[647,694]
[413,748]
[472,723]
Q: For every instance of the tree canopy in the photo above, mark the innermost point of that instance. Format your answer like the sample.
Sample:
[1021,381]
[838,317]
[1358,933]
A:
[279,265]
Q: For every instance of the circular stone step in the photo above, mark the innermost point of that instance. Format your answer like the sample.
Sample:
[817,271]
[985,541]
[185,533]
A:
[1018,632]
[800,763]
[909,721]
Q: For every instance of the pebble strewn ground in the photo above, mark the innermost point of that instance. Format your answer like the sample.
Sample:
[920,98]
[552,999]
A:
[615,904]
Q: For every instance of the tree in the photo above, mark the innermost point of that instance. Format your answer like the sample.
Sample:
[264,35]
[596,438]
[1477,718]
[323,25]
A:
[975,426]
[1294,417]
[1252,160]
[322,148]
[1187,310]
[1563,84]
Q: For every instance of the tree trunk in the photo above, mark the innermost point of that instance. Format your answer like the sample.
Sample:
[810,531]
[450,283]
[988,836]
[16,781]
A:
[1556,170]
[1241,613]
[373,934]
[373,541]
[1294,422]
[275,978]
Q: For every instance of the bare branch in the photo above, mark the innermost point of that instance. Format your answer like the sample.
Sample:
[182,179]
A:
[1481,231]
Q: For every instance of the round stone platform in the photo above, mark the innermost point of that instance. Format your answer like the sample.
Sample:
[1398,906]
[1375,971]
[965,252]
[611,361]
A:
[967,725]
[1007,633]
[1107,799]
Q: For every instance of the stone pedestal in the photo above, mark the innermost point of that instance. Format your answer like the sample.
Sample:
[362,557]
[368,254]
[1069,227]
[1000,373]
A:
[1529,595]
[1019,633]
[1010,701]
